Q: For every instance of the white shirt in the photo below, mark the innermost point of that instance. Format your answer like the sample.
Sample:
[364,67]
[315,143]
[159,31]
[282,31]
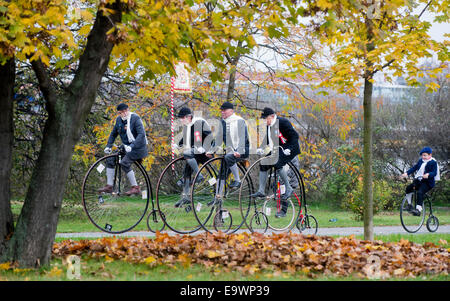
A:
[268,131]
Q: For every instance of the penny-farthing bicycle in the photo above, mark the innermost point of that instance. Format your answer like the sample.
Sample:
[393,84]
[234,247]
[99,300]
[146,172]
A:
[413,220]
[114,211]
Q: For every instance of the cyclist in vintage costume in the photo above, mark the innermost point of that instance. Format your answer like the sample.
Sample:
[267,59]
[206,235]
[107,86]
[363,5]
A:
[195,142]
[131,130]
[234,136]
[427,173]
[279,134]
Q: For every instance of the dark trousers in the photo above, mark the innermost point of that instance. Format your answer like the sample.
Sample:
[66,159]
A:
[200,158]
[230,160]
[125,163]
[282,161]
[421,187]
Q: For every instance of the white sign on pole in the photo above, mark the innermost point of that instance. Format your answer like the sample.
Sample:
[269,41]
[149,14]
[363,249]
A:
[182,82]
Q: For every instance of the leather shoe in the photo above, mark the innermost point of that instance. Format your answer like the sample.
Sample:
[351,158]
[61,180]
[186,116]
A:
[134,190]
[258,194]
[106,189]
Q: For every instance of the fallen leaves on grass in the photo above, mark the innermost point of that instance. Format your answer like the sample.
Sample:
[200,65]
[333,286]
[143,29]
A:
[286,252]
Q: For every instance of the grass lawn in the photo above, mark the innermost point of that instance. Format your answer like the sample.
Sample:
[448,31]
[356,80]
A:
[74,219]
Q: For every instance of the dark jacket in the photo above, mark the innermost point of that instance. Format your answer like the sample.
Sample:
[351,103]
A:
[200,134]
[139,146]
[430,169]
[289,136]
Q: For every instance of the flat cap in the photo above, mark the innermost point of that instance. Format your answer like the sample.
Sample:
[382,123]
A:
[426,149]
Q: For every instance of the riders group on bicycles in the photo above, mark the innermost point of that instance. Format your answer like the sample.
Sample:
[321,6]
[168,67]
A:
[198,146]
[279,148]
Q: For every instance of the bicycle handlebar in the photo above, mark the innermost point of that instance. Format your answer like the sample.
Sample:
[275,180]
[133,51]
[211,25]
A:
[405,179]
[265,152]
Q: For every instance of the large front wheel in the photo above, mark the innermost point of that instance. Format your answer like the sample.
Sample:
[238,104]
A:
[173,199]
[411,222]
[113,211]
[215,191]
[280,212]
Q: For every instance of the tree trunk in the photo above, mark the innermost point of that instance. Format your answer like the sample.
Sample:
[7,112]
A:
[367,161]
[232,78]
[367,139]
[231,82]
[32,242]
[7,78]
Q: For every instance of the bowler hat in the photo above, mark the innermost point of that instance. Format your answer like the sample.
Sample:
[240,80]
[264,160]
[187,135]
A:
[183,112]
[226,105]
[267,112]
[122,106]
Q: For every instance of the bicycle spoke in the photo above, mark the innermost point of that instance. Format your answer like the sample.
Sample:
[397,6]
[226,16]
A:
[110,211]
[208,198]
[281,213]
[411,220]
[173,198]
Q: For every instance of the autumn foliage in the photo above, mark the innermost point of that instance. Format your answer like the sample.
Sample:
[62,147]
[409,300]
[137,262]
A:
[277,253]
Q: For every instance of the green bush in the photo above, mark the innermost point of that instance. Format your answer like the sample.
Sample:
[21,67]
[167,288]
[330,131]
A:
[382,196]
[337,187]
[346,166]
[397,191]
[441,193]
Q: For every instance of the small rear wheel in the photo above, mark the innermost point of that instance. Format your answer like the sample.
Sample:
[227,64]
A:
[259,222]
[308,225]
[155,222]
[432,223]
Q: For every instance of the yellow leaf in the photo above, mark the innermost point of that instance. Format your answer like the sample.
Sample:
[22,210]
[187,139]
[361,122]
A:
[85,29]
[45,60]
[87,15]
[149,260]
[212,254]
[324,4]
[5,266]
[108,259]
[55,272]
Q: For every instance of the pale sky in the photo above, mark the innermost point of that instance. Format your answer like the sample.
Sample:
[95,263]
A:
[437,30]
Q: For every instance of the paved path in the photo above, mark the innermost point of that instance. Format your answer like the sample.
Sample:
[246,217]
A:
[344,231]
